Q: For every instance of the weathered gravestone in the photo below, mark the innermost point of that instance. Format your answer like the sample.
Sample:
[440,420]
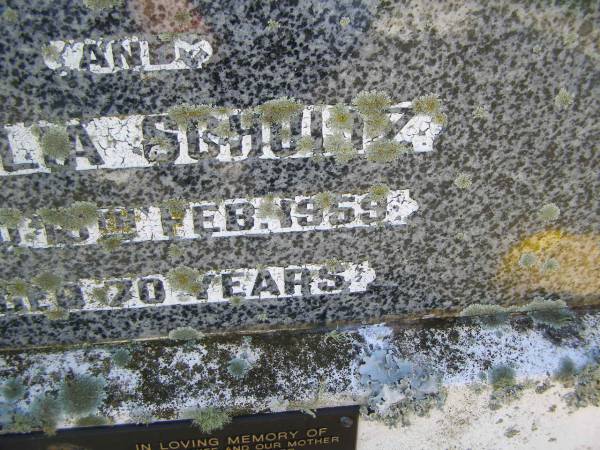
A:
[206,207]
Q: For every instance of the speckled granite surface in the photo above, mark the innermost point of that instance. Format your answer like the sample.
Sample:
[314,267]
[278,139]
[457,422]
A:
[519,149]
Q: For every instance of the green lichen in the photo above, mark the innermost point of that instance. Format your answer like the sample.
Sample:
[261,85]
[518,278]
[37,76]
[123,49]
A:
[324,200]
[183,114]
[110,243]
[183,17]
[92,421]
[55,142]
[56,313]
[247,119]
[342,149]
[549,212]
[463,181]
[305,144]
[19,423]
[185,279]
[209,419]
[429,104]
[121,357]
[238,367]
[501,377]
[340,118]
[268,208]
[552,313]
[13,389]
[75,217]
[46,410]
[385,151]
[566,370]
[17,287]
[185,334]
[528,260]
[285,134]
[377,125]
[100,295]
[98,5]
[81,394]
[549,266]
[175,252]
[10,15]
[379,192]
[10,217]
[273,25]
[480,113]
[440,118]
[47,281]
[176,207]
[344,21]
[236,300]
[372,103]
[486,315]
[587,388]
[279,110]
[223,130]
[563,99]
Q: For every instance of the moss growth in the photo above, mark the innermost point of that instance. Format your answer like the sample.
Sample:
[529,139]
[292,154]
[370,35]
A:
[55,142]
[13,389]
[183,114]
[268,208]
[340,118]
[98,5]
[10,217]
[324,200]
[385,151]
[81,394]
[238,367]
[549,212]
[501,376]
[185,279]
[379,192]
[279,110]
[92,421]
[429,104]
[563,99]
[75,217]
[371,103]
[305,144]
[463,181]
[185,334]
[209,419]
[47,281]
[340,147]
[121,357]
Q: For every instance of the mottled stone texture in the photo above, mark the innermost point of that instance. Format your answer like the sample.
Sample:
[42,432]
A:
[521,152]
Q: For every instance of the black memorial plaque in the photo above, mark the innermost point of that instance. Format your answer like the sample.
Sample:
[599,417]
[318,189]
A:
[331,429]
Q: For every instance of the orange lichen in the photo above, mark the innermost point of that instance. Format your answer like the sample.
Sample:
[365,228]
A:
[575,264]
